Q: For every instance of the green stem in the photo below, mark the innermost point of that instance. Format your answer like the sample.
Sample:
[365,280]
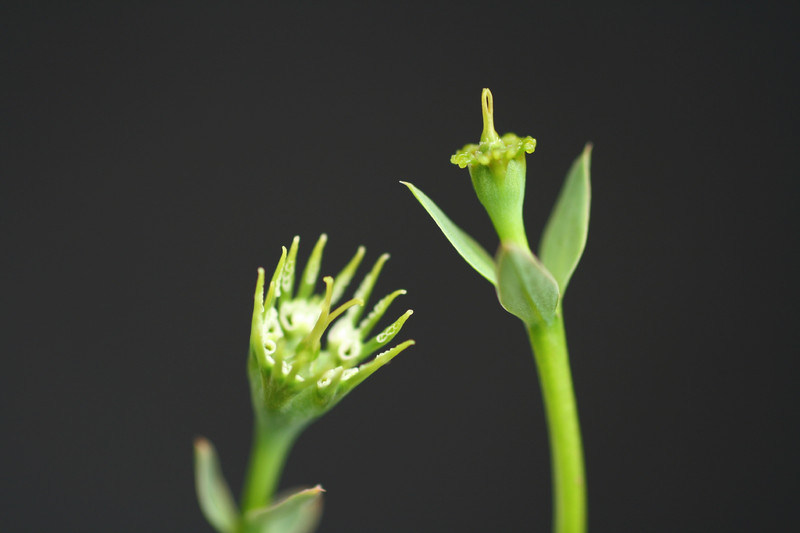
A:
[271,446]
[569,483]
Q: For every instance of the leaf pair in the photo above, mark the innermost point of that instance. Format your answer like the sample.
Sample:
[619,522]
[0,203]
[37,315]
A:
[528,287]
[298,513]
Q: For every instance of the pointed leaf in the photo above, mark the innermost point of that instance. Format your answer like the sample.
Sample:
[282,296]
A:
[524,287]
[365,290]
[366,325]
[564,237]
[342,279]
[309,278]
[353,377]
[472,252]
[385,336]
[286,283]
[213,493]
[298,513]
[274,284]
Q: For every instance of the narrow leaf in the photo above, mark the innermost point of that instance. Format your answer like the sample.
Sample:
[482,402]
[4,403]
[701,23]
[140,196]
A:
[524,287]
[365,289]
[286,284]
[213,493]
[356,376]
[385,336]
[274,284]
[342,279]
[564,237]
[366,325]
[472,252]
[309,278]
[298,513]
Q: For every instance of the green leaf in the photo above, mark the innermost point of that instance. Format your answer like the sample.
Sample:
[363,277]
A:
[213,493]
[385,336]
[343,278]
[364,290]
[524,286]
[564,237]
[298,513]
[310,273]
[367,369]
[366,325]
[472,252]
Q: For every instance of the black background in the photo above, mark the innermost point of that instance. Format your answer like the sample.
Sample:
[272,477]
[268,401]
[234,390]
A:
[154,155]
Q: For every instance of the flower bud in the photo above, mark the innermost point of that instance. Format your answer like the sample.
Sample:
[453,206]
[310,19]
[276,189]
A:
[306,354]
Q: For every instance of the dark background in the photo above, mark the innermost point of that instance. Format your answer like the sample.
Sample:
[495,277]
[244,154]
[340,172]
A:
[153,157]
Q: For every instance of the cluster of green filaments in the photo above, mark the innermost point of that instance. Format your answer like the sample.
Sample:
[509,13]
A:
[305,353]
[492,147]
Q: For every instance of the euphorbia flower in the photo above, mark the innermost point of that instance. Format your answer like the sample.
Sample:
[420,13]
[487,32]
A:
[306,354]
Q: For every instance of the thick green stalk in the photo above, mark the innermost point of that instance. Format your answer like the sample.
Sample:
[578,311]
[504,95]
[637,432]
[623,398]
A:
[569,483]
[271,446]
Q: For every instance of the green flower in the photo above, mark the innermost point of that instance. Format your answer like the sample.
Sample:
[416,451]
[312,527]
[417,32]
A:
[497,169]
[306,354]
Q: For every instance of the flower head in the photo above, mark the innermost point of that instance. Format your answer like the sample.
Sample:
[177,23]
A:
[305,353]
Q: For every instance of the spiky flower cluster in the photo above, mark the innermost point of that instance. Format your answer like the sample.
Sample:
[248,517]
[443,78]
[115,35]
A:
[296,374]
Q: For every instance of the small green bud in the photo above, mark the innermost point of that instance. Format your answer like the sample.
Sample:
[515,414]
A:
[497,169]
[306,354]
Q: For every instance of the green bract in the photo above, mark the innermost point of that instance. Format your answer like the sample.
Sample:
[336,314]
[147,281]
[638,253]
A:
[564,236]
[305,354]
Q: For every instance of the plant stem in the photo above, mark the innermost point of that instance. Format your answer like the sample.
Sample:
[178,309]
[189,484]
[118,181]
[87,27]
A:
[569,483]
[271,446]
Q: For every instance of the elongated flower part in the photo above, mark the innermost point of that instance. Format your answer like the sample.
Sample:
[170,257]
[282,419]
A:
[307,351]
